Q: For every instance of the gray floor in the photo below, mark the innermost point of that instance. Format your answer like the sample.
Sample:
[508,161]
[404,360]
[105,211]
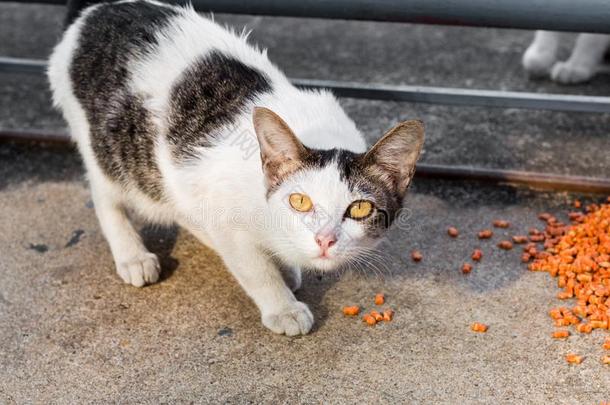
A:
[70,332]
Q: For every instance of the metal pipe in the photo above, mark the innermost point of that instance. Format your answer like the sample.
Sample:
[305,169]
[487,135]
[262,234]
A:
[36,136]
[457,96]
[556,15]
[415,94]
[461,173]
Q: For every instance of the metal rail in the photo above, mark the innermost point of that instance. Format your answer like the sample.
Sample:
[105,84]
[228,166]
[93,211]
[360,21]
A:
[556,15]
[418,94]
[536,180]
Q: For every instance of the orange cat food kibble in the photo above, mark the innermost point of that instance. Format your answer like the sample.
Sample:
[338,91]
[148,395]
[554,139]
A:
[416,256]
[351,311]
[453,232]
[466,268]
[519,239]
[561,334]
[573,358]
[388,314]
[478,327]
[379,299]
[369,320]
[376,315]
[606,359]
[477,255]
[578,255]
[505,244]
[577,204]
[500,223]
[485,234]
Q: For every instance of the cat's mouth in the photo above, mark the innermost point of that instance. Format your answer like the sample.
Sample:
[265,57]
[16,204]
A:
[325,262]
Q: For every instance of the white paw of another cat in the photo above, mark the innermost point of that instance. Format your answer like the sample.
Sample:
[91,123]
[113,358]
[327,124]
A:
[141,270]
[538,62]
[564,72]
[294,320]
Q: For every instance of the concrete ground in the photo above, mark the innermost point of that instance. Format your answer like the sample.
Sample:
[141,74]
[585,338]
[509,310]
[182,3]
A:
[71,332]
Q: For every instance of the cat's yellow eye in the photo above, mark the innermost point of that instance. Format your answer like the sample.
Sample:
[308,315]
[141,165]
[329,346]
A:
[300,202]
[360,209]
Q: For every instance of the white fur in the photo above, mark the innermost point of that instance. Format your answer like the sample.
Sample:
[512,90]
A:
[220,195]
[540,58]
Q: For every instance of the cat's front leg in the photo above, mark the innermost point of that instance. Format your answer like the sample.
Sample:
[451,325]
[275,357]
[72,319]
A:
[585,60]
[540,56]
[262,280]
[134,263]
[292,276]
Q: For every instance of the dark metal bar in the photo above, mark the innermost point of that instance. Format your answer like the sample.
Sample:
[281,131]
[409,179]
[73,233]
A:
[546,181]
[496,176]
[18,135]
[21,65]
[456,96]
[418,94]
[556,15]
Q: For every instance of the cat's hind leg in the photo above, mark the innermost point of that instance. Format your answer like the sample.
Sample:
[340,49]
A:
[585,60]
[134,263]
[541,55]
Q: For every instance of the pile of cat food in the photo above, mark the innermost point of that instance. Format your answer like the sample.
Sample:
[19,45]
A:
[374,316]
[577,254]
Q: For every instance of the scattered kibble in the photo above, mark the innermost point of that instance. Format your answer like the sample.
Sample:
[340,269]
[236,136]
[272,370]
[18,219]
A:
[485,234]
[578,255]
[577,204]
[453,232]
[500,223]
[519,239]
[369,319]
[505,244]
[388,315]
[545,216]
[416,256]
[379,299]
[573,358]
[561,334]
[479,327]
[375,314]
[477,255]
[584,328]
[606,359]
[351,311]
[466,268]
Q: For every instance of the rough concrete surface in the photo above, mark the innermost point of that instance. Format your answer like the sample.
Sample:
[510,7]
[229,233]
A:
[71,332]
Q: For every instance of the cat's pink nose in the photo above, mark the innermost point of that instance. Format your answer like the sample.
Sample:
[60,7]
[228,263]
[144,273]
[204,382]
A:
[325,241]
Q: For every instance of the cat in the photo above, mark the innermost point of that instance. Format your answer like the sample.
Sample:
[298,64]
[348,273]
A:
[540,58]
[184,122]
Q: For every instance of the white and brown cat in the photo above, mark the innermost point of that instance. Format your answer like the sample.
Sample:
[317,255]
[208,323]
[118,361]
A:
[178,119]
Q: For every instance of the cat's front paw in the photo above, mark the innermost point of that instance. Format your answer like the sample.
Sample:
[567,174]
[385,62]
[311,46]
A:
[538,62]
[296,319]
[567,73]
[141,270]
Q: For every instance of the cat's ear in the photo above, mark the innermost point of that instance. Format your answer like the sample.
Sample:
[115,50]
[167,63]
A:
[392,159]
[281,151]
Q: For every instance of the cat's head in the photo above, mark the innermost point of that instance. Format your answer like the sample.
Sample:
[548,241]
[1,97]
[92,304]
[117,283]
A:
[329,206]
